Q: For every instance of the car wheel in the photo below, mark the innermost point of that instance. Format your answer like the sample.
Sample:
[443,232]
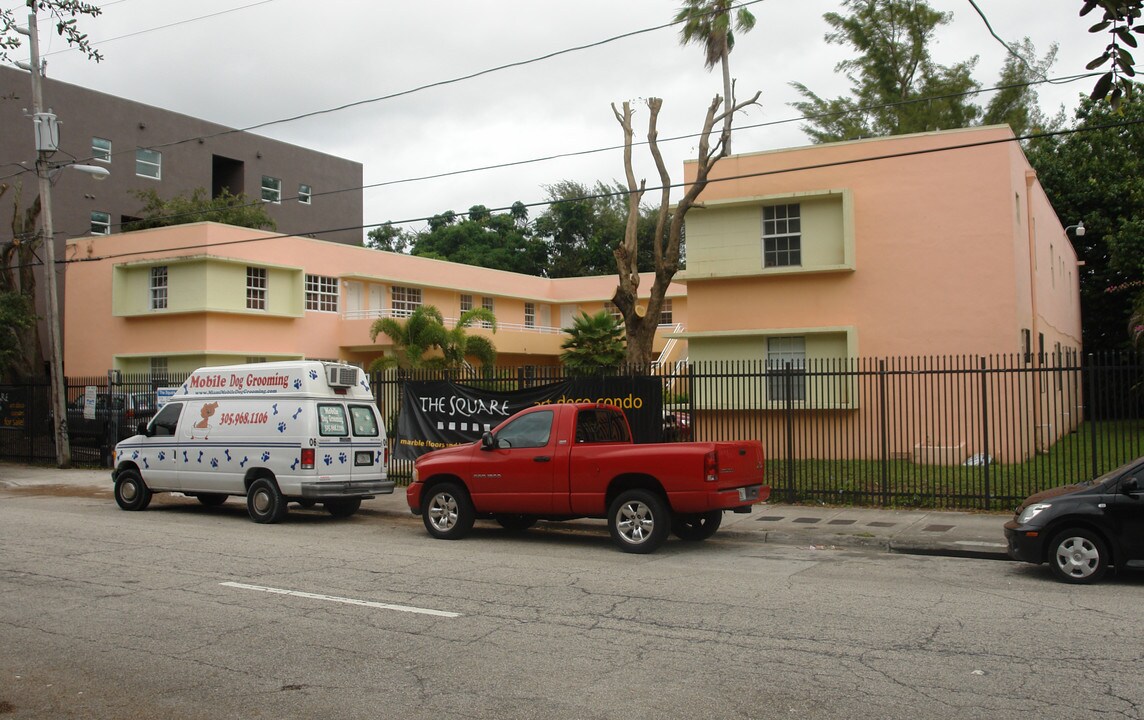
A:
[1078,556]
[342,508]
[131,493]
[515,523]
[639,521]
[448,512]
[264,501]
[696,526]
[212,499]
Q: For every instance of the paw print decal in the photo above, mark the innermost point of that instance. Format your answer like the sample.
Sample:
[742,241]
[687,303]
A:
[342,458]
[265,456]
[328,459]
[281,427]
[135,455]
[313,374]
[297,383]
[214,462]
[162,456]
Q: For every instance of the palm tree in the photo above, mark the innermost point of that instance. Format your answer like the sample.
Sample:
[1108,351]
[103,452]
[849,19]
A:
[709,22]
[594,342]
[424,330]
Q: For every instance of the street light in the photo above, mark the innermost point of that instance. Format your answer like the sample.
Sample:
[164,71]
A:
[1079,227]
[47,141]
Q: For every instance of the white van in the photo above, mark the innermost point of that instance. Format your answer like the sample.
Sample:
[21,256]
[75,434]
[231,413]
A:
[278,432]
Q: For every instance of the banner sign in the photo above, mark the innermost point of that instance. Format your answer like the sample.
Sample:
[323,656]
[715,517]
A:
[440,413]
[13,408]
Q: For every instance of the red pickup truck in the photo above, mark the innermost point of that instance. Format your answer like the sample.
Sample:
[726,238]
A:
[559,462]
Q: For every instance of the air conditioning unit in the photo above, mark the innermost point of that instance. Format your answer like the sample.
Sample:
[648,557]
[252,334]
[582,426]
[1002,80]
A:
[341,375]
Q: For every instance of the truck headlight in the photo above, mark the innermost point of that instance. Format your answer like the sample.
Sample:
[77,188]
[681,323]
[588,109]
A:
[1031,512]
[415,474]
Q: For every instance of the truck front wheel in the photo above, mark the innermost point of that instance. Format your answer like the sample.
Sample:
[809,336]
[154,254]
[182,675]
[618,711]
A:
[639,521]
[448,512]
[697,526]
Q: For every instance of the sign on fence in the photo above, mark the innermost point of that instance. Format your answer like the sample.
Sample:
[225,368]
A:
[163,395]
[440,413]
[90,393]
[13,409]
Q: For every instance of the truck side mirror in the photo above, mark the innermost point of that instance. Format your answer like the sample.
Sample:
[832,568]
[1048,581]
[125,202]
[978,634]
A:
[1130,485]
[488,442]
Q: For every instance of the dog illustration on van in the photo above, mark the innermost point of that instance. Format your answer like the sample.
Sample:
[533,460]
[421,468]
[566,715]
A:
[202,429]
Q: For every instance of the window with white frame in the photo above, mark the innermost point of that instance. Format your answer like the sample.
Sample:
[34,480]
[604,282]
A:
[665,314]
[782,236]
[101,149]
[149,163]
[305,192]
[786,368]
[321,293]
[530,315]
[271,189]
[159,369]
[159,287]
[466,302]
[100,223]
[405,300]
[255,288]
[487,304]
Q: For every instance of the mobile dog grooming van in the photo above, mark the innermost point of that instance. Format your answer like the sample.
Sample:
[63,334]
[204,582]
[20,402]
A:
[278,432]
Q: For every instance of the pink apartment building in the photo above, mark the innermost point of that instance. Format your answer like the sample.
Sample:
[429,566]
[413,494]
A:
[174,299]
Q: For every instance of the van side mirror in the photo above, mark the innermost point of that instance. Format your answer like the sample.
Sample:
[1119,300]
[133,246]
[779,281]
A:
[141,429]
[488,442]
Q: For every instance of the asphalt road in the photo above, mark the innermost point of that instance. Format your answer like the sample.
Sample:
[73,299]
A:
[187,612]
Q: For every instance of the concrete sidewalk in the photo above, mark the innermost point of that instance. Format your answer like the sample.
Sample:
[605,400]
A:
[928,532]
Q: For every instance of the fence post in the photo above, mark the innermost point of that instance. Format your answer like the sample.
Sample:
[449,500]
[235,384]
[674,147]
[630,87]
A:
[884,432]
[985,460]
[788,392]
[1090,412]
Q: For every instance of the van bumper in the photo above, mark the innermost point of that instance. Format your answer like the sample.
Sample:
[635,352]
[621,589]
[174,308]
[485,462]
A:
[347,489]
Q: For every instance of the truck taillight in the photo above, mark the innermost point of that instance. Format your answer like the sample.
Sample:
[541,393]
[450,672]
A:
[711,466]
[308,458]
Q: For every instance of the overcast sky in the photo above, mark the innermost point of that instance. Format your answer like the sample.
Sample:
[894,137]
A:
[246,62]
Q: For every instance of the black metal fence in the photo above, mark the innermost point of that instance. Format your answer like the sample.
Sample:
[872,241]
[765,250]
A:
[946,432]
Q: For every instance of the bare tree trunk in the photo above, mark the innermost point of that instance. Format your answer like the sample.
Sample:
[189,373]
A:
[641,321]
[17,275]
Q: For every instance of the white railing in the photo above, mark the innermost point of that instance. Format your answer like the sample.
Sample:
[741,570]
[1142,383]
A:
[374,314]
[668,349]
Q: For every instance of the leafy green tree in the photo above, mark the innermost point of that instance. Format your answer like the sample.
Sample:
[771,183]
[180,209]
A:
[226,208]
[389,238]
[64,13]
[17,317]
[501,241]
[1122,21]
[594,342]
[424,332]
[1093,175]
[712,24]
[897,88]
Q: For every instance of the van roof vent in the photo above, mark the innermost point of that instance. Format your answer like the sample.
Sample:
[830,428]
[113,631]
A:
[341,375]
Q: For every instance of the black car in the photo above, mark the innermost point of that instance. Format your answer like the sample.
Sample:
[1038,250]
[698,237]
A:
[1082,529]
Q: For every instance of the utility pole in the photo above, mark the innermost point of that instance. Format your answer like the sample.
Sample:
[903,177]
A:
[46,139]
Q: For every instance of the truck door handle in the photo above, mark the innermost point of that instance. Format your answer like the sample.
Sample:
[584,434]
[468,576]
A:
[542,458]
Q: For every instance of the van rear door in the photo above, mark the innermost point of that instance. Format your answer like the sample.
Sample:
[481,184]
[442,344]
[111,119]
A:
[368,443]
[334,459]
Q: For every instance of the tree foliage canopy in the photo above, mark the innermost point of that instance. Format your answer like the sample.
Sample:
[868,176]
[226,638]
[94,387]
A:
[502,241]
[424,332]
[594,342]
[226,208]
[64,13]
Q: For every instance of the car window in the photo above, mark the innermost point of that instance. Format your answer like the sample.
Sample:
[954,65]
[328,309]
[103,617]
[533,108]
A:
[364,421]
[332,421]
[599,426]
[167,420]
[527,431]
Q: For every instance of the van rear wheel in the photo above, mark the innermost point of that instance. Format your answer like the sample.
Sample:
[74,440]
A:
[264,502]
[343,507]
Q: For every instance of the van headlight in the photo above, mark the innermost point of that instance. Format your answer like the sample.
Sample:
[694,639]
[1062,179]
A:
[1031,512]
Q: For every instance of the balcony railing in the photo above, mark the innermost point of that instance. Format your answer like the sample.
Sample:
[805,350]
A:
[449,322]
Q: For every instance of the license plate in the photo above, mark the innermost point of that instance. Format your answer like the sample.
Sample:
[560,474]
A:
[363,457]
[749,493]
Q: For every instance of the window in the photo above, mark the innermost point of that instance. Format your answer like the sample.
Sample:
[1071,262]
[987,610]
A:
[332,421]
[600,426]
[665,314]
[786,368]
[305,192]
[271,189]
[167,421]
[255,288]
[364,421]
[251,359]
[405,300]
[100,150]
[527,431]
[530,315]
[100,223]
[466,302]
[611,309]
[321,293]
[149,163]
[159,287]
[487,304]
[782,236]
[159,369]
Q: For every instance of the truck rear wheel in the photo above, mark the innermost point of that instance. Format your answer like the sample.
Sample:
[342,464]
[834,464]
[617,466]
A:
[639,521]
[696,526]
[448,512]
[131,493]
[264,502]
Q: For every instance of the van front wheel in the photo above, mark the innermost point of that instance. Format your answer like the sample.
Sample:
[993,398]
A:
[131,493]
[264,502]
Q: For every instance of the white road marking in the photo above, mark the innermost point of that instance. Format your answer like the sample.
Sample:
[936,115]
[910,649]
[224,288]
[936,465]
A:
[347,601]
